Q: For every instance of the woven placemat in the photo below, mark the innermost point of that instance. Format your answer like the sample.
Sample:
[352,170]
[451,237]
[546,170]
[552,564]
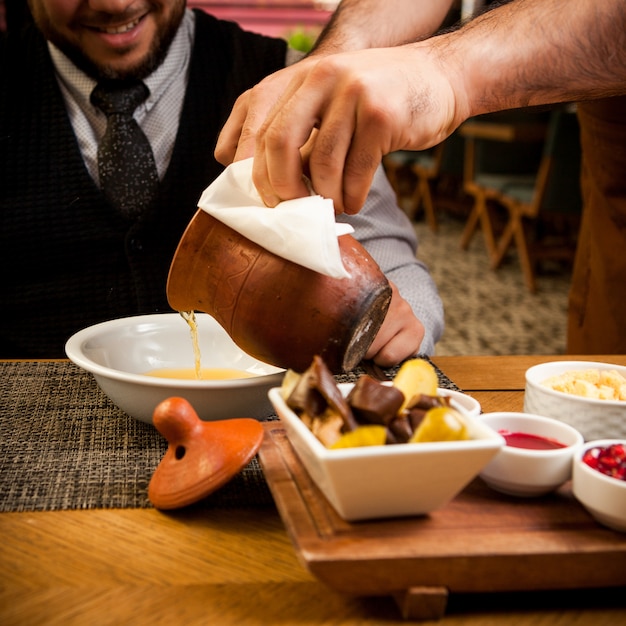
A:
[64,445]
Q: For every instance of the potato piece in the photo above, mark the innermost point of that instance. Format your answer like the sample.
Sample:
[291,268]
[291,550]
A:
[290,380]
[441,424]
[327,428]
[371,435]
[414,377]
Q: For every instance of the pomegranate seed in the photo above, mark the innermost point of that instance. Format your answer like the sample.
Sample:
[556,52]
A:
[610,460]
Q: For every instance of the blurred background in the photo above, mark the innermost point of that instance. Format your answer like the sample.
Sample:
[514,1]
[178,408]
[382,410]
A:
[491,305]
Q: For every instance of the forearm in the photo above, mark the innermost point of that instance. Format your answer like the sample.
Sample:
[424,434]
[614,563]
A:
[360,24]
[534,52]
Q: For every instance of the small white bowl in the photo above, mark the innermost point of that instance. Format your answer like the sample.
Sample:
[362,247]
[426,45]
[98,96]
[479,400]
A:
[604,497]
[393,480]
[528,472]
[595,419]
[119,352]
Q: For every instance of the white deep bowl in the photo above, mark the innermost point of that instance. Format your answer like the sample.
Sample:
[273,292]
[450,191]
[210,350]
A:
[530,473]
[604,497]
[119,352]
[595,419]
[393,480]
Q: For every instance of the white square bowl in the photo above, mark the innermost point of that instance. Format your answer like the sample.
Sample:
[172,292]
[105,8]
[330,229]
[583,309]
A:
[394,480]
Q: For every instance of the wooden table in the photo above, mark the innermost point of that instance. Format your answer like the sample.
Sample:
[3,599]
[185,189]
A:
[225,567]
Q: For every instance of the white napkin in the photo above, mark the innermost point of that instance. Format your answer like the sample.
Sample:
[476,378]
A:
[302,230]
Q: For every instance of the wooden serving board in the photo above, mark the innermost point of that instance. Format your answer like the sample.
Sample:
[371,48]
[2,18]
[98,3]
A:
[482,541]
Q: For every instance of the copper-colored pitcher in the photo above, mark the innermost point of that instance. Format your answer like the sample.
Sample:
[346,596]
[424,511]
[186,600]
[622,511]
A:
[275,310]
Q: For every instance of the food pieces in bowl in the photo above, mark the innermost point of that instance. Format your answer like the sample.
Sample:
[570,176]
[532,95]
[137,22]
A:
[416,377]
[441,424]
[590,383]
[374,413]
[371,435]
[374,403]
[610,460]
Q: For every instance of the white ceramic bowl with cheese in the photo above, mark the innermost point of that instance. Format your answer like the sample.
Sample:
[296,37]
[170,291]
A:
[595,419]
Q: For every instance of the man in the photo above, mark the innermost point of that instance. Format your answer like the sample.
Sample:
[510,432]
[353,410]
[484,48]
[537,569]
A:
[68,257]
[352,108]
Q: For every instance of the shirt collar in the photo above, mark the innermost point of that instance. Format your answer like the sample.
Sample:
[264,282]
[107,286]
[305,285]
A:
[80,85]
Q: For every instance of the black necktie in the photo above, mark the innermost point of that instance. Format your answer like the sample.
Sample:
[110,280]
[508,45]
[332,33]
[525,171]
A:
[128,174]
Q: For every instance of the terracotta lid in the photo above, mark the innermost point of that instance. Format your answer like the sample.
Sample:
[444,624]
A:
[201,456]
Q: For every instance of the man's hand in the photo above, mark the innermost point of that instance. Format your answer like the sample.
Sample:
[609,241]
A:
[349,28]
[400,335]
[237,139]
[363,105]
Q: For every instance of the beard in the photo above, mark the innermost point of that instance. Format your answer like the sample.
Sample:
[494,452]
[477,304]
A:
[98,71]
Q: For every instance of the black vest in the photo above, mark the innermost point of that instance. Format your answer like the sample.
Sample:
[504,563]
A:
[67,260]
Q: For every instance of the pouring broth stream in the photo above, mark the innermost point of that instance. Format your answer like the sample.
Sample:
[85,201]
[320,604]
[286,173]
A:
[198,372]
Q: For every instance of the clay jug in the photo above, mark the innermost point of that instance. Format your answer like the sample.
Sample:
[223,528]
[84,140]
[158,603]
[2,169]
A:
[278,311]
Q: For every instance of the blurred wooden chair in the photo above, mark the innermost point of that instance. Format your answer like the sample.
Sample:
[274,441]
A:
[500,148]
[425,165]
[554,192]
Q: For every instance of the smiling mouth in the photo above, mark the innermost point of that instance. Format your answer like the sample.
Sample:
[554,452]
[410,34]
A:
[116,30]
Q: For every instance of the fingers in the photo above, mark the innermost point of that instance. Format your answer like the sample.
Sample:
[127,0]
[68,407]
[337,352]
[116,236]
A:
[236,139]
[281,177]
[334,118]
[278,159]
[400,335]
[339,167]
[364,154]
[402,345]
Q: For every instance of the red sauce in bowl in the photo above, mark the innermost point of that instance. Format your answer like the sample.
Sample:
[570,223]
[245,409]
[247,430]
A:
[529,441]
